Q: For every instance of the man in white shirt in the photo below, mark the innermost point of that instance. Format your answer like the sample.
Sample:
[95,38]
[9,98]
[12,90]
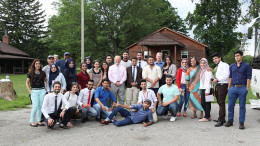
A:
[148,94]
[46,69]
[152,74]
[125,62]
[84,101]
[141,63]
[221,90]
[51,107]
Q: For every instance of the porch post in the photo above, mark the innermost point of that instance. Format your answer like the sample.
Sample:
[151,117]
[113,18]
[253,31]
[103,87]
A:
[175,51]
[23,66]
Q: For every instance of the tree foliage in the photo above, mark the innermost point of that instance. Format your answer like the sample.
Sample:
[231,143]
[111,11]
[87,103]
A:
[110,25]
[24,21]
[214,22]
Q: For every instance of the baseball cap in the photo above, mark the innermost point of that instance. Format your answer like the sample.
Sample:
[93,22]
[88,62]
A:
[50,56]
[66,53]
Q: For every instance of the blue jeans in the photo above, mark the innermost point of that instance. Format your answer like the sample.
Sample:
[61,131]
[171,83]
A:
[184,98]
[233,94]
[163,110]
[37,97]
[124,113]
[99,110]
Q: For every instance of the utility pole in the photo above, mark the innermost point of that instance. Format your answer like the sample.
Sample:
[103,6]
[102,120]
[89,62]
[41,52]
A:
[82,31]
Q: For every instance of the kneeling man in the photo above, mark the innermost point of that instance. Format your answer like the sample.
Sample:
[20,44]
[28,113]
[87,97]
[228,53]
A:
[51,107]
[143,112]
[171,95]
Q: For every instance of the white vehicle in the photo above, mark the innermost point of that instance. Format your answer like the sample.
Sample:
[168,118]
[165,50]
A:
[255,82]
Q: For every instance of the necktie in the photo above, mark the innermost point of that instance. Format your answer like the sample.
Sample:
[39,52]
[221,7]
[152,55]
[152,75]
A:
[55,106]
[133,74]
[139,63]
[89,96]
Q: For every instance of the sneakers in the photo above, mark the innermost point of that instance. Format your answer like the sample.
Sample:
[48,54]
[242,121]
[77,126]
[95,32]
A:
[172,119]
[165,116]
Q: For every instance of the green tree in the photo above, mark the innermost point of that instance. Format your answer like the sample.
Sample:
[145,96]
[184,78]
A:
[110,25]
[24,21]
[214,22]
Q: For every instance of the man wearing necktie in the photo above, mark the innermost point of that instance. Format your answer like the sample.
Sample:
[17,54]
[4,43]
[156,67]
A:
[51,107]
[141,63]
[117,77]
[134,75]
[84,101]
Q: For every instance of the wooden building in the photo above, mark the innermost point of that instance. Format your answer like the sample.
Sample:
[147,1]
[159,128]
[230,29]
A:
[169,42]
[13,60]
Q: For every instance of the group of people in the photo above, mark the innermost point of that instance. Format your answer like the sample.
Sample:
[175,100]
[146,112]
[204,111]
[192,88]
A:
[139,90]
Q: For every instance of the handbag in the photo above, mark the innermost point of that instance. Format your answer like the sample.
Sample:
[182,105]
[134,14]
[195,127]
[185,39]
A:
[210,97]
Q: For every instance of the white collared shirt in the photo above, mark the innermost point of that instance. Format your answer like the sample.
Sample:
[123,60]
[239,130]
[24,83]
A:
[148,95]
[143,63]
[48,105]
[152,74]
[84,95]
[222,73]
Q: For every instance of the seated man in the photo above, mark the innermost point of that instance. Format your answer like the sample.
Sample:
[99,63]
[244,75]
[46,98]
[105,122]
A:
[84,101]
[143,112]
[148,94]
[171,95]
[101,96]
[51,107]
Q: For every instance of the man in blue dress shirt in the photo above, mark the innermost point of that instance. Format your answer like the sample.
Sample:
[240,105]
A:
[143,113]
[102,94]
[238,86]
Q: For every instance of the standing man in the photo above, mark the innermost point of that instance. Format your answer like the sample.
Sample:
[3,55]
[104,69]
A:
[84,101]
[171,95]
[141,63]
[117,77]
[61,63]
[51,107]
[50,61]
[125,62]
[101,96]
[238,85]
[221,81]
[134,75]
[159,61]
[152,74]
[148,94]
[109,59]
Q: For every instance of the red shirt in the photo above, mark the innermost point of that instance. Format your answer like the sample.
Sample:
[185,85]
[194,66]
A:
[82,79]
[178,78]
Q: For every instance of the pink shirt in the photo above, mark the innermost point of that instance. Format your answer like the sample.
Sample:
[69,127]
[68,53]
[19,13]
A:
[117,73]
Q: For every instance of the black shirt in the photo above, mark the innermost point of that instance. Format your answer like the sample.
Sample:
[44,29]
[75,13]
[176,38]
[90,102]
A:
[38,82]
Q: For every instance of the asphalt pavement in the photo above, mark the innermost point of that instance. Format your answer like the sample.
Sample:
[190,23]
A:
[15,130]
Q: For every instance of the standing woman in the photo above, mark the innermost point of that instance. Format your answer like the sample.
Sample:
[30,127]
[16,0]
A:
[205,87]
[193,84]
[104,68]
[70,73]
[181,83]
[89,63]
[95,74]
[83,76]
[168,69]
[55,75]
[36,79]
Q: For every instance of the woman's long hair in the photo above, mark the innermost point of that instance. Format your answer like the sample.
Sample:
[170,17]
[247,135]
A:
[171,62]
[104,69]
[32,71]
[85,70]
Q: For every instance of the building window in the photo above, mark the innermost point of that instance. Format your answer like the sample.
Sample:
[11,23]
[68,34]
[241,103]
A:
[146,55]
[165,53]
[184,54]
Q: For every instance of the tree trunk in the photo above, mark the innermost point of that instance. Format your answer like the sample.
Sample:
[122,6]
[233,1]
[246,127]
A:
[115,45]
[7,91]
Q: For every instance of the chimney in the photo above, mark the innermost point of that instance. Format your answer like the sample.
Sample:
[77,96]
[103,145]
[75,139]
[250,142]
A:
[6,38]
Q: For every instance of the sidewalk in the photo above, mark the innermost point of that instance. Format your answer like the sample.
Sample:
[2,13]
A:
[15,130]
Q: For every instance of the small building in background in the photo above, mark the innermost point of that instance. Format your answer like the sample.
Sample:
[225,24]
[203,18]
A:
[169,42]
[13,60]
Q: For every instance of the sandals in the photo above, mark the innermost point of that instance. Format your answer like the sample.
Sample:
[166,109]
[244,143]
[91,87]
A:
[34,125]
[193,117]
[41,124]
[203,120]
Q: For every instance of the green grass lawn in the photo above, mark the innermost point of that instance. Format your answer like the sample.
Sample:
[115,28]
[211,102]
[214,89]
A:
[23,95]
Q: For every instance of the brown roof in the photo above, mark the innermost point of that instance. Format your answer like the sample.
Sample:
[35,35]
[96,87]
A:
[158,39]
[4,56]
[166,28]
[8,49]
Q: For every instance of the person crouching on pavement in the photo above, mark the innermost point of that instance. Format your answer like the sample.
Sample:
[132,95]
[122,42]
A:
[143,112]
[51,107]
